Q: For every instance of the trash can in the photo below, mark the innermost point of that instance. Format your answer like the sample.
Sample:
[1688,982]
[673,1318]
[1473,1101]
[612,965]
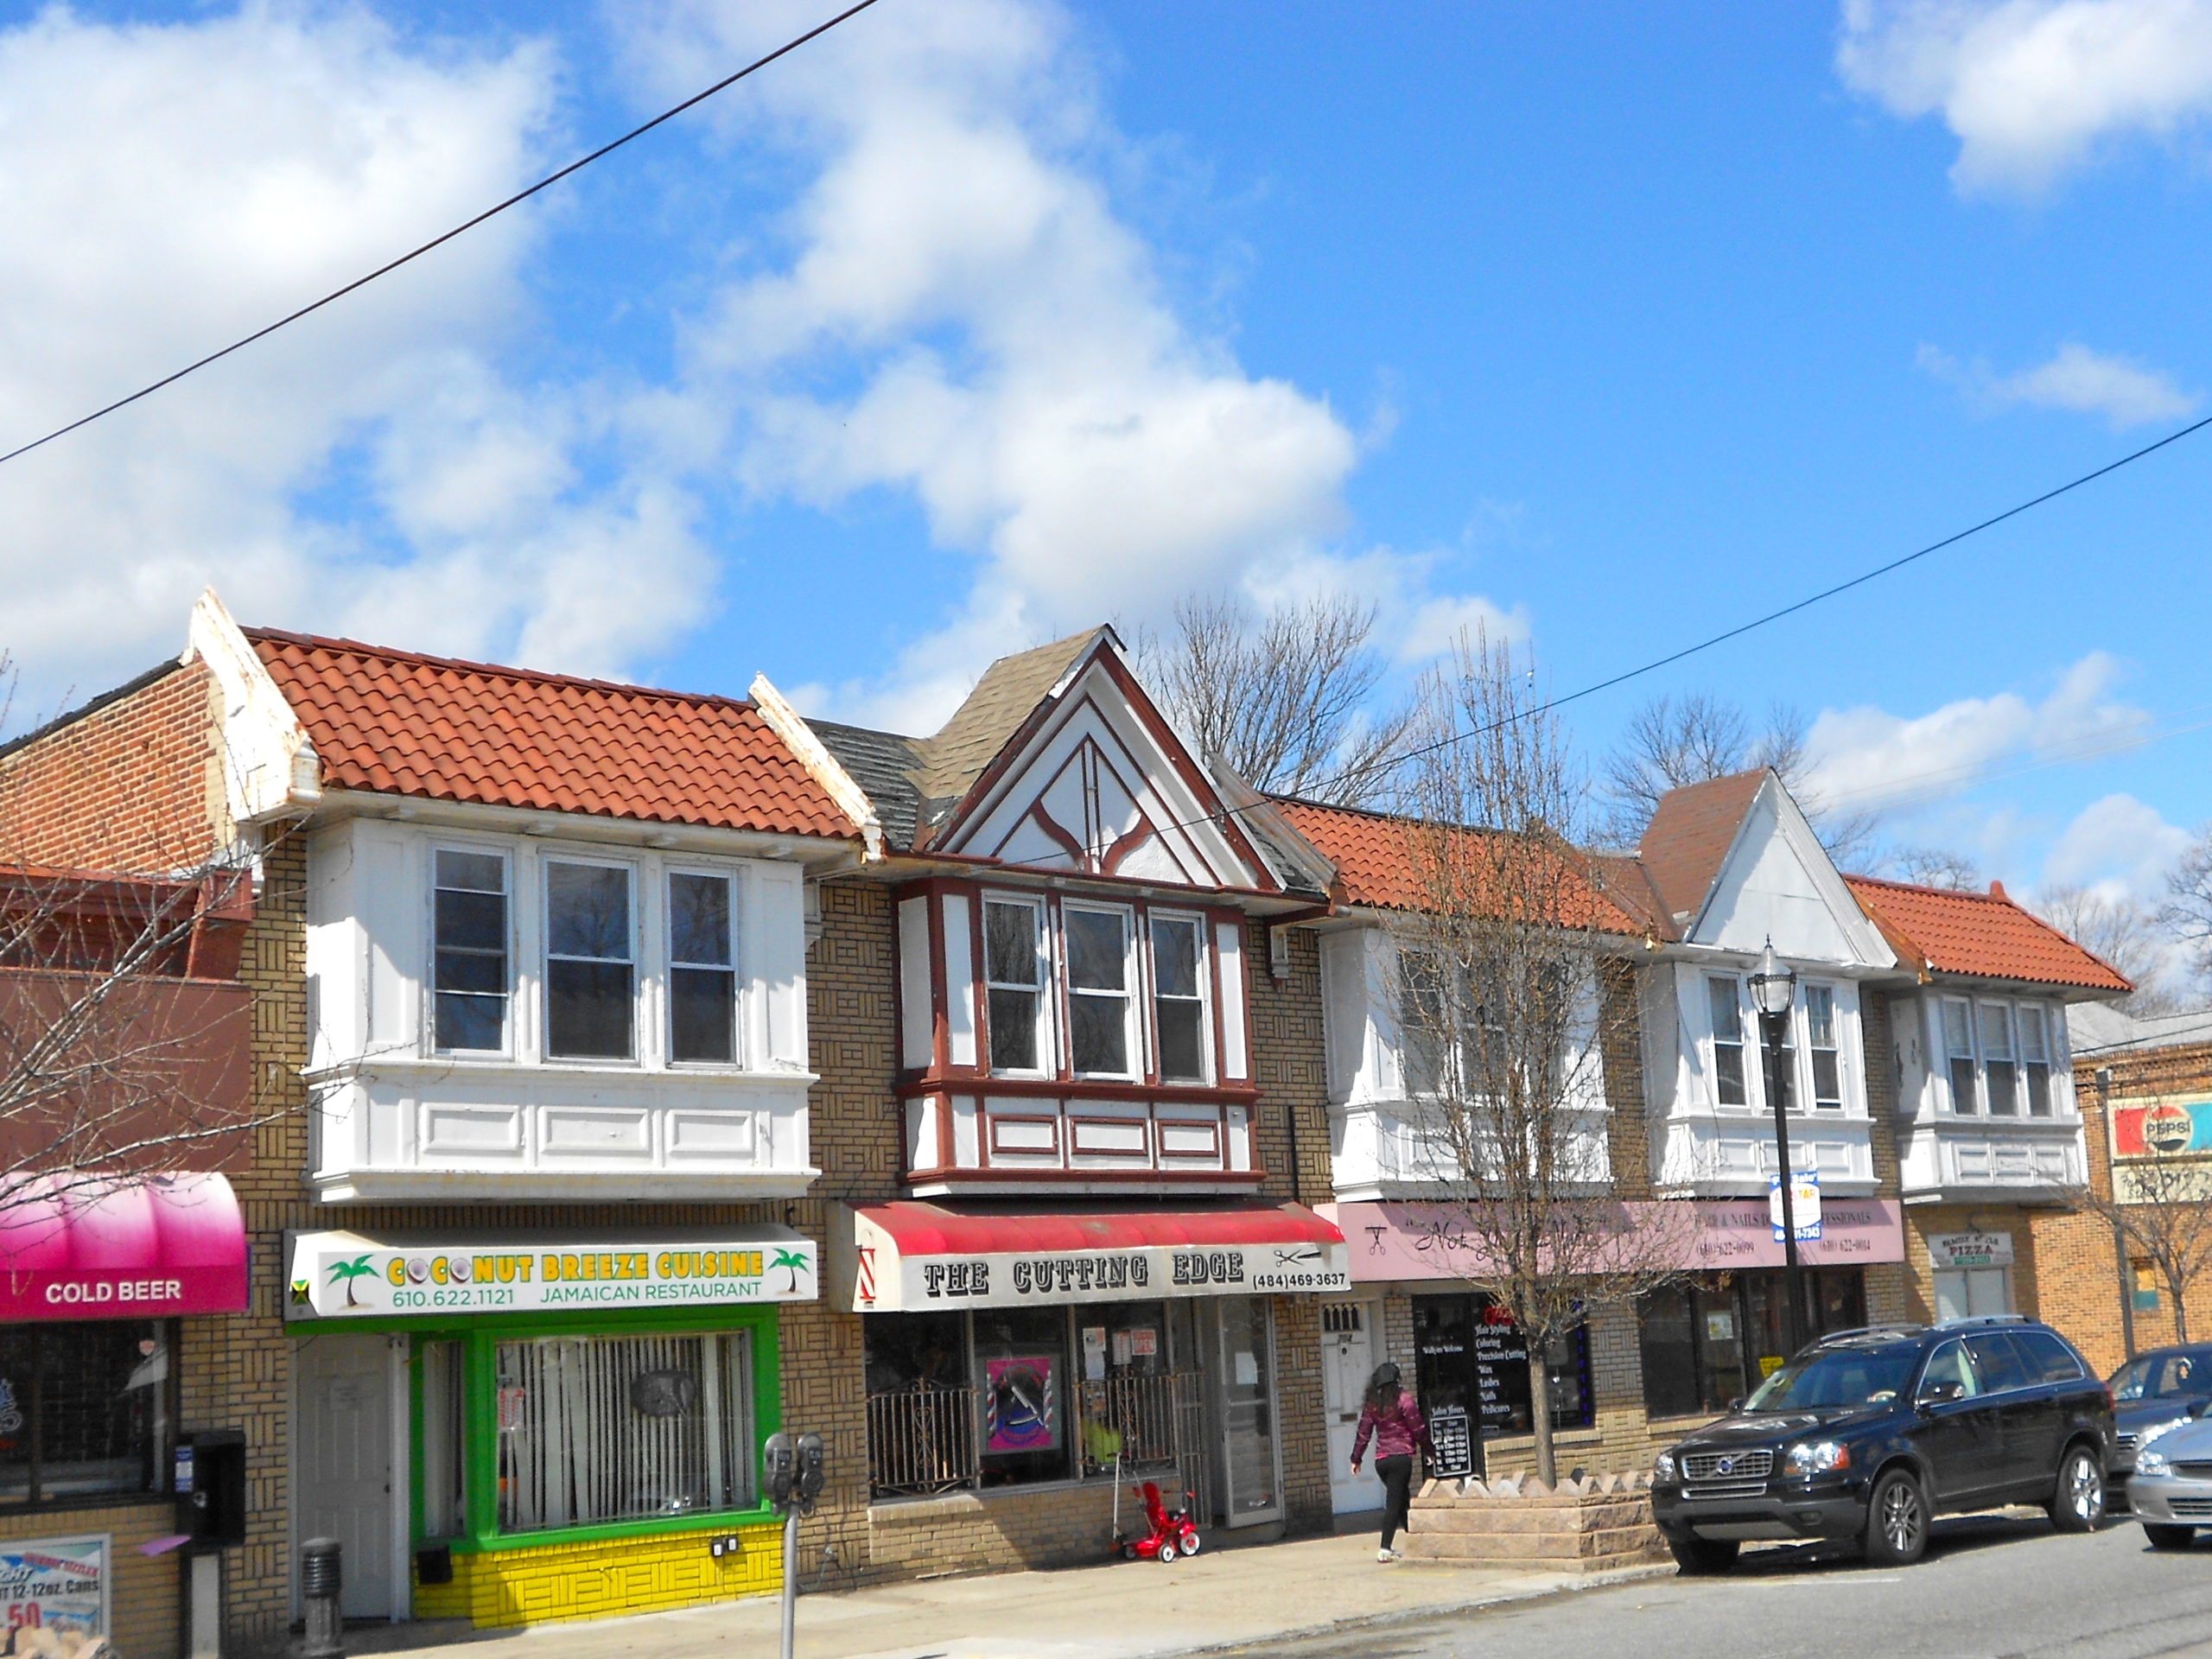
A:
[320,1576]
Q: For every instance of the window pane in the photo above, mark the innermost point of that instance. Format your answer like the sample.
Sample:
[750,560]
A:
[472,921]
[471,1022]
[1098,954]
[2032,1046]
[1828,1078]
[1996,1032]
[1727,1013]
[703,1015]
[1962,1097]
[1819,1016]
[1098,1034]
[602,1429]
[86,1410]
[698,920]
[473,872]
[1728,1075]
[1010,943]
[1999,1362]
[1175,958]
[482,972]
[1013,1030]
[587,909]
[1671,1381]
[439,1364]
[588,1009]
[1182,1043]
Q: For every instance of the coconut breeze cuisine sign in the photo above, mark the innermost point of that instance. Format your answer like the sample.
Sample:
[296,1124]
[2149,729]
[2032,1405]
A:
[345,1276]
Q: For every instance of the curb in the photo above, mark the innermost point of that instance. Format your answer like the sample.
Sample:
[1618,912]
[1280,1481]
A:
[1495,1597]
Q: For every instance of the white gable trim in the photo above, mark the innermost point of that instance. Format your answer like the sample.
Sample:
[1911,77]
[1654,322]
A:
[1773,805]
[1095,748]
[270,766]
[822,766]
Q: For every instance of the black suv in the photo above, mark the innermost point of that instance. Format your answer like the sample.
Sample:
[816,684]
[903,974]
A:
[1867,1433]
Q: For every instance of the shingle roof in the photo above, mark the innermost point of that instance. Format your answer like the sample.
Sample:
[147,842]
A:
[885,765]
[395,722]
[1982,934]
[1378,863]
[1689,837]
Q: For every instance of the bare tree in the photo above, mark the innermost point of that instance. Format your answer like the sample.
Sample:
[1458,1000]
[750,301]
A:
[2162,1203]
[2123,932]
[2187,912]
[1288,699]
[1935,867]
[1503,1006]
[1671,742]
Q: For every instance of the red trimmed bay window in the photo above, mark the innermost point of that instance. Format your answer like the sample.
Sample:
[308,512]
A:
[1049,1038]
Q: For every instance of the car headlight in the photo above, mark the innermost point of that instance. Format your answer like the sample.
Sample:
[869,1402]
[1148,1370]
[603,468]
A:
[1818,1457]
[1663,1469]
[2152,1461]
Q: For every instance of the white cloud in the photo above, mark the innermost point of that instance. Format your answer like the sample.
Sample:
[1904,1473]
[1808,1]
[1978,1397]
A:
[2032,88]
[2122,390]
[167,188]
[2118,846]
[963,315]
[1867,757]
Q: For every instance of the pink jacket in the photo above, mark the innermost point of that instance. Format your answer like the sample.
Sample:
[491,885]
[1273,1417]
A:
[1396,1432]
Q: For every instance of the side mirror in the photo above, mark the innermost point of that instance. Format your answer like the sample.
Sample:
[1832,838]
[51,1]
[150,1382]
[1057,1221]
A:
[1936,1393]
[779,1463]
[1736,1405]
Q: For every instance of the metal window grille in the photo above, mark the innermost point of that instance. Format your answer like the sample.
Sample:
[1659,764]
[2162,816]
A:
[922,1440]
[1156,1425]
[604,1428]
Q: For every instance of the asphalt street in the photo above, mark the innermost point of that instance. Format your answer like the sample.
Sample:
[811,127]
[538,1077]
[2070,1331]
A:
[1991,1587]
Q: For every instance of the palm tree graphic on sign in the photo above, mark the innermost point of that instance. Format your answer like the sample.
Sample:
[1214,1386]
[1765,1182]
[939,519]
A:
[793,1260]
[359,1267]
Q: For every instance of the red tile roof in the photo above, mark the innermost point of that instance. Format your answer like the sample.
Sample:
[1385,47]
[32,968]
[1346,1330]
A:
[399,723]
[1982,934]
[1689,837]
[1378,863]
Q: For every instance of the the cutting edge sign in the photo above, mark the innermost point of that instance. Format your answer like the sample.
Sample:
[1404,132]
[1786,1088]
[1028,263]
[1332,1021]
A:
[885,1281]
[338,1276]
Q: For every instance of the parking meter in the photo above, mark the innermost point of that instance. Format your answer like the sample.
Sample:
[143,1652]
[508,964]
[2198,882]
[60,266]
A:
[780,1458]
[813,1470]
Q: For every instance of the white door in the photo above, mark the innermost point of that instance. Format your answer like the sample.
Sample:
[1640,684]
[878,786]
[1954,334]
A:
[1348,1349]
[341,1448]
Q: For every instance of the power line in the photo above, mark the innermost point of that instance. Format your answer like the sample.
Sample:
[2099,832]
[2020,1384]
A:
[1738,632]
[550,179]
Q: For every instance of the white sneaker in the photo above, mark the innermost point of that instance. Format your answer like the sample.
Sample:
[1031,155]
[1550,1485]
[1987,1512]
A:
[1389,1554]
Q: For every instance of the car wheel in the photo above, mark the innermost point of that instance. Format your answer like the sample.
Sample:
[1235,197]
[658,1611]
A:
[2169,1537]
[1695,1555]
[2078,1503]
[1897,1521]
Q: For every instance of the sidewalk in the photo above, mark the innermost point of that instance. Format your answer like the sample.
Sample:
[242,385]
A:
[1137,1610]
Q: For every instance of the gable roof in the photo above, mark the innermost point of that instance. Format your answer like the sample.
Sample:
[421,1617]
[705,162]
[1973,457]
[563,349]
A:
[964,746]
[1690,835]
[398,722]
[1985,935]
[1376,865]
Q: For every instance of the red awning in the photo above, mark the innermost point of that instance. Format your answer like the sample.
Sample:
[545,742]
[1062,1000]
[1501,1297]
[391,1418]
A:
[148,1247]
[911,1256]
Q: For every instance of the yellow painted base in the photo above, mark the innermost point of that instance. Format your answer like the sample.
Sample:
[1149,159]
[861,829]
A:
[506,1587]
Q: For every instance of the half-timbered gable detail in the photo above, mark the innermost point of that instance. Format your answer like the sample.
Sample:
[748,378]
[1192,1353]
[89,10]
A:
[1073,964]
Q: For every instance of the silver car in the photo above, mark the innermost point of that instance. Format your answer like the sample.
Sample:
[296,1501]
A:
[2171,1492]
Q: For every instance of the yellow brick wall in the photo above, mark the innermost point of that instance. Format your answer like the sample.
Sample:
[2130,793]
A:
[505,1587]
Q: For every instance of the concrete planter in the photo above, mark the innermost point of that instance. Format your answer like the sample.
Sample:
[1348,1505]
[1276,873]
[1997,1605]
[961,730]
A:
[1579,1526]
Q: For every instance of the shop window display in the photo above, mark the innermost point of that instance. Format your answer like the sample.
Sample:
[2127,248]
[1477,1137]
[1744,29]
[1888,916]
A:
[608,1428]
[1021,1372]
[1717,1337]
[1472,1357]
[85,1411]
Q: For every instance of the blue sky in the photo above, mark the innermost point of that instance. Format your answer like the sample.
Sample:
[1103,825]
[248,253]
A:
[982,319]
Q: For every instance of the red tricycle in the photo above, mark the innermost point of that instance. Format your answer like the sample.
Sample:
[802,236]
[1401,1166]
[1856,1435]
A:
[1173,1532]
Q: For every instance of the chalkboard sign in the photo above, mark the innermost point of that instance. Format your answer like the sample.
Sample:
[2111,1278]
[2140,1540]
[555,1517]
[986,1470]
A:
[1502,1373]
[1455,1447]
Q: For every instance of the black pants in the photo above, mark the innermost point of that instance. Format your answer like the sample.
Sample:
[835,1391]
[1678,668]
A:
[1397,1481]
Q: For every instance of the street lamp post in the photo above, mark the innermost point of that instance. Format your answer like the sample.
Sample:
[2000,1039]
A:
[1774,989]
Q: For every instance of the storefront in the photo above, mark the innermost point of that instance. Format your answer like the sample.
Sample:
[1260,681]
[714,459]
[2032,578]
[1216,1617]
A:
[1705,1339]
[578,1421]
[94,1284]
[1057,1349]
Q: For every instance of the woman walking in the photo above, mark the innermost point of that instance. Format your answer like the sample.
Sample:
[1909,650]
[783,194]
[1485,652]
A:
[1391,1417]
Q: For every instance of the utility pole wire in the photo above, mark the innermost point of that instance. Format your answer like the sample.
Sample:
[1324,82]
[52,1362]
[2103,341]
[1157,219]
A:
[1742,628]
[550,179]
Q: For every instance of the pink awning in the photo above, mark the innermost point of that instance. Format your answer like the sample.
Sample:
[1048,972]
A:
[144,1247]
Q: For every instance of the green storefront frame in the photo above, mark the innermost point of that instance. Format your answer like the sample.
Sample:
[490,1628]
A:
[479,1412]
